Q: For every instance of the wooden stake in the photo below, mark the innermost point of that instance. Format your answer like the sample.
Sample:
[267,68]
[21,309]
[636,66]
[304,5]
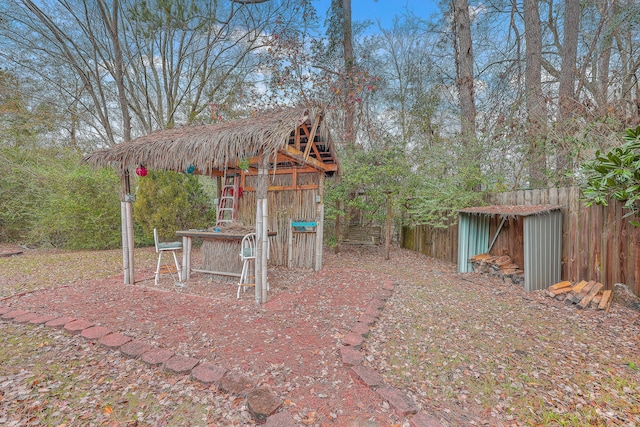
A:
[605,301]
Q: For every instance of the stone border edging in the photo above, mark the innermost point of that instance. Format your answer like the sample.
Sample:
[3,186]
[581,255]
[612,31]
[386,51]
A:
[351,355]
[262,403]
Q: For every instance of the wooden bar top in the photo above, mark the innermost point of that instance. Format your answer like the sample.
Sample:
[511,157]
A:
[214,235]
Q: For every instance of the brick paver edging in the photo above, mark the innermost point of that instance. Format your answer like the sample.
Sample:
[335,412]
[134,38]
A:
[351,355]
[262,403]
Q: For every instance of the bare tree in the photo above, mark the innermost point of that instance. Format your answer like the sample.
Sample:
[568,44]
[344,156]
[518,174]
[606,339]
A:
[566,92]
[535,103]
[463,52]
[152,64]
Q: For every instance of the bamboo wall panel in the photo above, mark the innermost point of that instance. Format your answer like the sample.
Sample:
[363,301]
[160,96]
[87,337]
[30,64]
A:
[285,206]
[597,242]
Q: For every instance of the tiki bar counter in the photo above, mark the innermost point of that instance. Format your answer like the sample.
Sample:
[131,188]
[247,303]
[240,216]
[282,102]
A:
[220,252]
[270,169]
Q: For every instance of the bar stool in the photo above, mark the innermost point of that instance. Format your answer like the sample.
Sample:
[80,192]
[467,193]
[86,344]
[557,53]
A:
[166,247]
[248,258]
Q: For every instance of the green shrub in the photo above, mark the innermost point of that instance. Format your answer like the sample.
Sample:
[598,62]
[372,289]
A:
[82,210]
[615,175]
[171,201]
[49,198]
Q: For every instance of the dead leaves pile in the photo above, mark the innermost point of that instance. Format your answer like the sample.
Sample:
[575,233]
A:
[475,351]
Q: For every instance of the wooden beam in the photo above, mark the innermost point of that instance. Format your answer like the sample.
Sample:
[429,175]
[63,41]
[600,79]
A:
[312,136]
[285,171]
[285,187]
[299,156]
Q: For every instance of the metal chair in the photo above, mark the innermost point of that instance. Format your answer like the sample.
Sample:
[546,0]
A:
[166,247]
[248,258]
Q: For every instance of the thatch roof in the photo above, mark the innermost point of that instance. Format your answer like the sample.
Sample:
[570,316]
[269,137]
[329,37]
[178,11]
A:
[210,147]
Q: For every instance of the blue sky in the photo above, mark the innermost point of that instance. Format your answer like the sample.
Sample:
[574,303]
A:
[381,10]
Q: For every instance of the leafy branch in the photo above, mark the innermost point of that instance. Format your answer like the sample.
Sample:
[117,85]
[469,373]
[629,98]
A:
[615,175]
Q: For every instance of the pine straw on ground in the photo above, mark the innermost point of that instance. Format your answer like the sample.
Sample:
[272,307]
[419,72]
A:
[469,349]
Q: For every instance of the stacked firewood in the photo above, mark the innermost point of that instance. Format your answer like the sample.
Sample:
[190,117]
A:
[498,265]
[582,294]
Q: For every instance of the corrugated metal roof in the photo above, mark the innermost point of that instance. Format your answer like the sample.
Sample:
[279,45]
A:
[511,210]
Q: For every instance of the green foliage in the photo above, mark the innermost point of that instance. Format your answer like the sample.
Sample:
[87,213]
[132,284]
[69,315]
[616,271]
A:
[615,175]
[84,210]
[22,192]
[450,177]
[370,179]
[171,201]
[48,198]
[20,123]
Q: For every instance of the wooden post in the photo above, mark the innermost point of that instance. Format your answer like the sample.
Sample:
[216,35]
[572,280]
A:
[290,245]
[319,237]
[387,236]
[125,243]
[258,260]
[265,247]
[129,206]
[127,228]
[262,225]
[319,223]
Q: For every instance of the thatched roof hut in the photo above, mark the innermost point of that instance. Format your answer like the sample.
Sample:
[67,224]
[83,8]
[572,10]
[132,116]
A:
[215,147]
[274,152]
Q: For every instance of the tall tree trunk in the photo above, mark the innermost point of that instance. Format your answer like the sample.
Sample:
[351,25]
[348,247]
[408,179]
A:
[348,95]
[111,23]
[349,66]
[535,104]
[604,59]
[566,91]
[464,68]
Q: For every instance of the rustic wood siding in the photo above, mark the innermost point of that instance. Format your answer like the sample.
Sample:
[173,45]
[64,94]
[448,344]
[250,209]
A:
[440,243]
[597,242]
[285,206]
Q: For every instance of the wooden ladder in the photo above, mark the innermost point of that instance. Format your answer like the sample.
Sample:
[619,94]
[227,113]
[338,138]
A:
[227,211]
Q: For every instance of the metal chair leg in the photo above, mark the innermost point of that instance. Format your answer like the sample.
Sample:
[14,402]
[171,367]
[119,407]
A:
[157,276]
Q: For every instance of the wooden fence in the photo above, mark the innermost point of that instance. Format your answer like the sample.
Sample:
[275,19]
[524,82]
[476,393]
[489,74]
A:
[597,242]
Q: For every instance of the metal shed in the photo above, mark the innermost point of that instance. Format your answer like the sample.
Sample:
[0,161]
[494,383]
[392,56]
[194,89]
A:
[531,235]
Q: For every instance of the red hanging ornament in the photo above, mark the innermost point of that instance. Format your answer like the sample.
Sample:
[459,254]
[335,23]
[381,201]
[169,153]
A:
[141,171]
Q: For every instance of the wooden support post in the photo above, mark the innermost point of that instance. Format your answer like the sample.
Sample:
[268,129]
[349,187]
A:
[290,245]
[262,224]
[265,249]
[387,234]
[319,237]
[319,223]
[126,213]
[125,243]
[129,208]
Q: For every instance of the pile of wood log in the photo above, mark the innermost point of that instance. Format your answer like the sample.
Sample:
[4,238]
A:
[582,294]
[498,265]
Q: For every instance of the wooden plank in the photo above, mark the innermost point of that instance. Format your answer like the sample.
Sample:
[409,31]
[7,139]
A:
[555,292]
[480,257]
[605,301]
[310,140]
[575,291]
[587,298]
[560,285]
[577,297]
[577,288]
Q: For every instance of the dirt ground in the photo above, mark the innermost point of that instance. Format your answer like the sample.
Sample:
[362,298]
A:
[468,349]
